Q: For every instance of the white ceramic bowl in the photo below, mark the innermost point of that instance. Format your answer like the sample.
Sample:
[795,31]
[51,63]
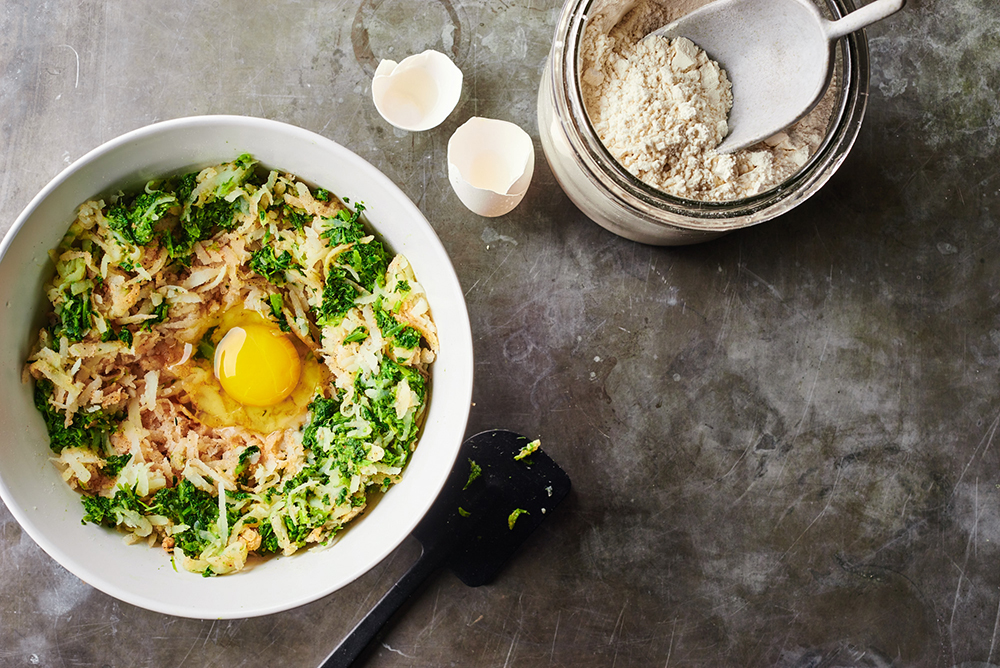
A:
[50,511]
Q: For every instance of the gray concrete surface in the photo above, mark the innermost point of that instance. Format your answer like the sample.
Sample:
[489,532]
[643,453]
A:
[782,442]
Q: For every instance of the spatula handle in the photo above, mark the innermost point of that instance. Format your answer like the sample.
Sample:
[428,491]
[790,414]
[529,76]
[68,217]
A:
[856,20]
[351,647]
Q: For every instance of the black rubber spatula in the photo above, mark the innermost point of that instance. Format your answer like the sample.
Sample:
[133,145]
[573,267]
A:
[490,503]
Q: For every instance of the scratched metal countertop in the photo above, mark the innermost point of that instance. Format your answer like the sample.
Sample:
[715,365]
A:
[781,442]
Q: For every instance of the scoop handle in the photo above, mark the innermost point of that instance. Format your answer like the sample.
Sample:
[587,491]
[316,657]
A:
[856,20]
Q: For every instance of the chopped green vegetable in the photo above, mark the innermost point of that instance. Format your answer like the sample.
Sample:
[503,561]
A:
[134,223]
[218,214]
[206,349]
[277,304]
[322,194]
[110,511]
[528,450]
[382,388]
[185,186]
[270,266]
[325,413]
[403,336]
[201,222]
[159,315]
[125,336]
[369,261]
[346,227]
[463,512]
[88,429]
[357,334]
[514,515]
[474,472]
[408,338]
[298,219]
[114,464]
[75,316]
[338,298]
[198,510]
[147,209]
[243,464]
[98,510]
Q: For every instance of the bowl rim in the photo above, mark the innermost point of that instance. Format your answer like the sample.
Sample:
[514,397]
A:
[461,399]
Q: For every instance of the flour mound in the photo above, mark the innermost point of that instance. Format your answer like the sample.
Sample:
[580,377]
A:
[660,107]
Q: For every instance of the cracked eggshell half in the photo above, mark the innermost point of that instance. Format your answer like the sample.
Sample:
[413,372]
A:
[490,164]
[419,92]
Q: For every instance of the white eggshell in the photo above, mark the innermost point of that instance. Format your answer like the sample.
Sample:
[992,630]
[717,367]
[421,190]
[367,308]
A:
[490,164]
[417,93]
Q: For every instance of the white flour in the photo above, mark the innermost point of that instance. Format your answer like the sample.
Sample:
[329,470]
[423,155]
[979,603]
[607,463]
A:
[660,107]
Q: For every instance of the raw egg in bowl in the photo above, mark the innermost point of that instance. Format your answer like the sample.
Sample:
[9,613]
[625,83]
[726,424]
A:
[257,365]
[239,368]
[257,376]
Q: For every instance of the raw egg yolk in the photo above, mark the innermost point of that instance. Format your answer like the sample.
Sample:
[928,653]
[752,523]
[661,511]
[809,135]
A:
[257,365]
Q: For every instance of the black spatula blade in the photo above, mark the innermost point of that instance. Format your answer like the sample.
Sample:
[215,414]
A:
[474,526]
[487,518]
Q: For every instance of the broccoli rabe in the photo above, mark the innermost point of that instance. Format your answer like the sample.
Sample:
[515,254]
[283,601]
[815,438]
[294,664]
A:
[159,315]
[333,454]
[323,412]
[88,429]
[147,209]
[117,217]
[196,509]
[98,510]
[407,337]
[270,266]
[268,541]
[185,186]
[277,304]
[382,387]
[206,349]
[200,222]
[402,336]
[74,316]
[369,261]
[357,335]
[218,214]
[474,472]
[124,335]
[338,298]
[514,515]
[243,464]
[345,227]
[296,218]
[109,511]
[114,464]
[528,450]
[134,222]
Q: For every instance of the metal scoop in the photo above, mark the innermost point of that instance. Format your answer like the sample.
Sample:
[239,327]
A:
[777,54]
